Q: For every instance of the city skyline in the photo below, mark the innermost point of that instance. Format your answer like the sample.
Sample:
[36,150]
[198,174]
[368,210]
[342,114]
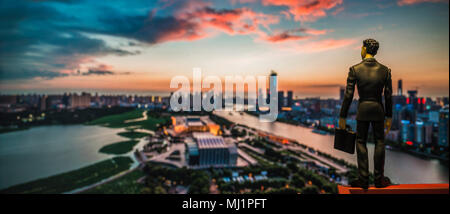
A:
[139,46]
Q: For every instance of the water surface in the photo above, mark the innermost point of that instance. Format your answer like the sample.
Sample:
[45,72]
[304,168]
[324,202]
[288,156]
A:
[48,150]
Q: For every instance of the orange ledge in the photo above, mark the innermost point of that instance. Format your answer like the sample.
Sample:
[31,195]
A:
[398,189]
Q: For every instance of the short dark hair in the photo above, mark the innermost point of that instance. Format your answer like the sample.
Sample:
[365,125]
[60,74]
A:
[371,46]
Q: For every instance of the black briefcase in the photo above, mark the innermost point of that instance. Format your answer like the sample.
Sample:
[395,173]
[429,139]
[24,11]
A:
[344,140]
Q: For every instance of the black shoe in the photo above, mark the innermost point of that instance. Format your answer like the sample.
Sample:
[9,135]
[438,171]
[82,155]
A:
[383,182]
[360,183]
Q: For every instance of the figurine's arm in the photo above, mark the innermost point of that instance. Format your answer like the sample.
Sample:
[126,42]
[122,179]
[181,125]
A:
[388,102]
[388,95]
[348,95]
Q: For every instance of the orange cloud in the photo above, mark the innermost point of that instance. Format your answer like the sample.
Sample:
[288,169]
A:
[203,22]
[323,45]
[292,35]
[306,10]
[285,37]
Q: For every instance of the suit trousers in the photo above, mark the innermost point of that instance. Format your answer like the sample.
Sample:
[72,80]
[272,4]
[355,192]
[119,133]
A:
[362,129]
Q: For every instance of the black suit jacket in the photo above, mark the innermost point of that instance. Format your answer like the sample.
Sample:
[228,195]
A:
[371,78]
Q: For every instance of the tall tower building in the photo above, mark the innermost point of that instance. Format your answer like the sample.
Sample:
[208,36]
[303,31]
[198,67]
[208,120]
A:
[280,100]
[443,127]
[400,87]
[273,82]
[290,98]
[412,99]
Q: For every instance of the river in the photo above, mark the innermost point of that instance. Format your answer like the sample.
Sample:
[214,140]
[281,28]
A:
[43,151]
[401,167]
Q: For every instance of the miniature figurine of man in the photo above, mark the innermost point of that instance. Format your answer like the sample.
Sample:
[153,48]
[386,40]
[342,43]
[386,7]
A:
[372,79]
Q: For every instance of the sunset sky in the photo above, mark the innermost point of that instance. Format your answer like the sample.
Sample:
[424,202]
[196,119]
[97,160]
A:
[138,46]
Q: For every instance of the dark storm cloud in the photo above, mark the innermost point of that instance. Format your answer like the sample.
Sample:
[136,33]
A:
[37,40]
[98,72]
[94,71]
[149,29]
[58,37]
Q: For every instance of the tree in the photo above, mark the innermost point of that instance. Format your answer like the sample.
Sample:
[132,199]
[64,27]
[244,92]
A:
[310,190]
[159,190]
[292,166]
[297,181]
[330,188]
[284,191]
[200,183]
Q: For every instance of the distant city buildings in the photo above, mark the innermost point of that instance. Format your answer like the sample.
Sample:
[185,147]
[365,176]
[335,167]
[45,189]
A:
[79,101]
[19,103]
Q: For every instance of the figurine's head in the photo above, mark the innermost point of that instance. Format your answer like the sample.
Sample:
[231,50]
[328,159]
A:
[369,48]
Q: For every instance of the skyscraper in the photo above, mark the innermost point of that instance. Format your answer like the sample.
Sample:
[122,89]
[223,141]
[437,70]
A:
[412,99]
[400,87]
[419,133]
[280,100]
[290,98]
[443,127]
[341,93]
[273,82]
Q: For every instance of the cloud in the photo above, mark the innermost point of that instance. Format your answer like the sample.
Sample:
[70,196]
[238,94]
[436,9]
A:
[189,23]
[43,34]
[233,2]
[98,72]
[307,10]
[337,11]
[323,45]
[28,74]
[411,2]
[292,35]
[101,70]
[46,39]
[35,43]
[285,37]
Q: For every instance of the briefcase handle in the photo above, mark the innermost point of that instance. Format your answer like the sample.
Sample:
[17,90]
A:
[348,128]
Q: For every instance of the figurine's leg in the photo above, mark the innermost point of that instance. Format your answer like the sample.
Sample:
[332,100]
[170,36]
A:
[362,128]
[378,133]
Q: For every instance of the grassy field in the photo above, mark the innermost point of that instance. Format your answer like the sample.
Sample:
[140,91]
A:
[118,120]
[119,147]
[133,134]
[124,185]
[74,179]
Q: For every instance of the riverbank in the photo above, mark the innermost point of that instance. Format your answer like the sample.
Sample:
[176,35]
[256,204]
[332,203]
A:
[138,119]
[73,179]
[119,148]
[11,122]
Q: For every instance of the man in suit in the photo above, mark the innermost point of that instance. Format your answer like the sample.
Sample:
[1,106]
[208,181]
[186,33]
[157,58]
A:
[372,79]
